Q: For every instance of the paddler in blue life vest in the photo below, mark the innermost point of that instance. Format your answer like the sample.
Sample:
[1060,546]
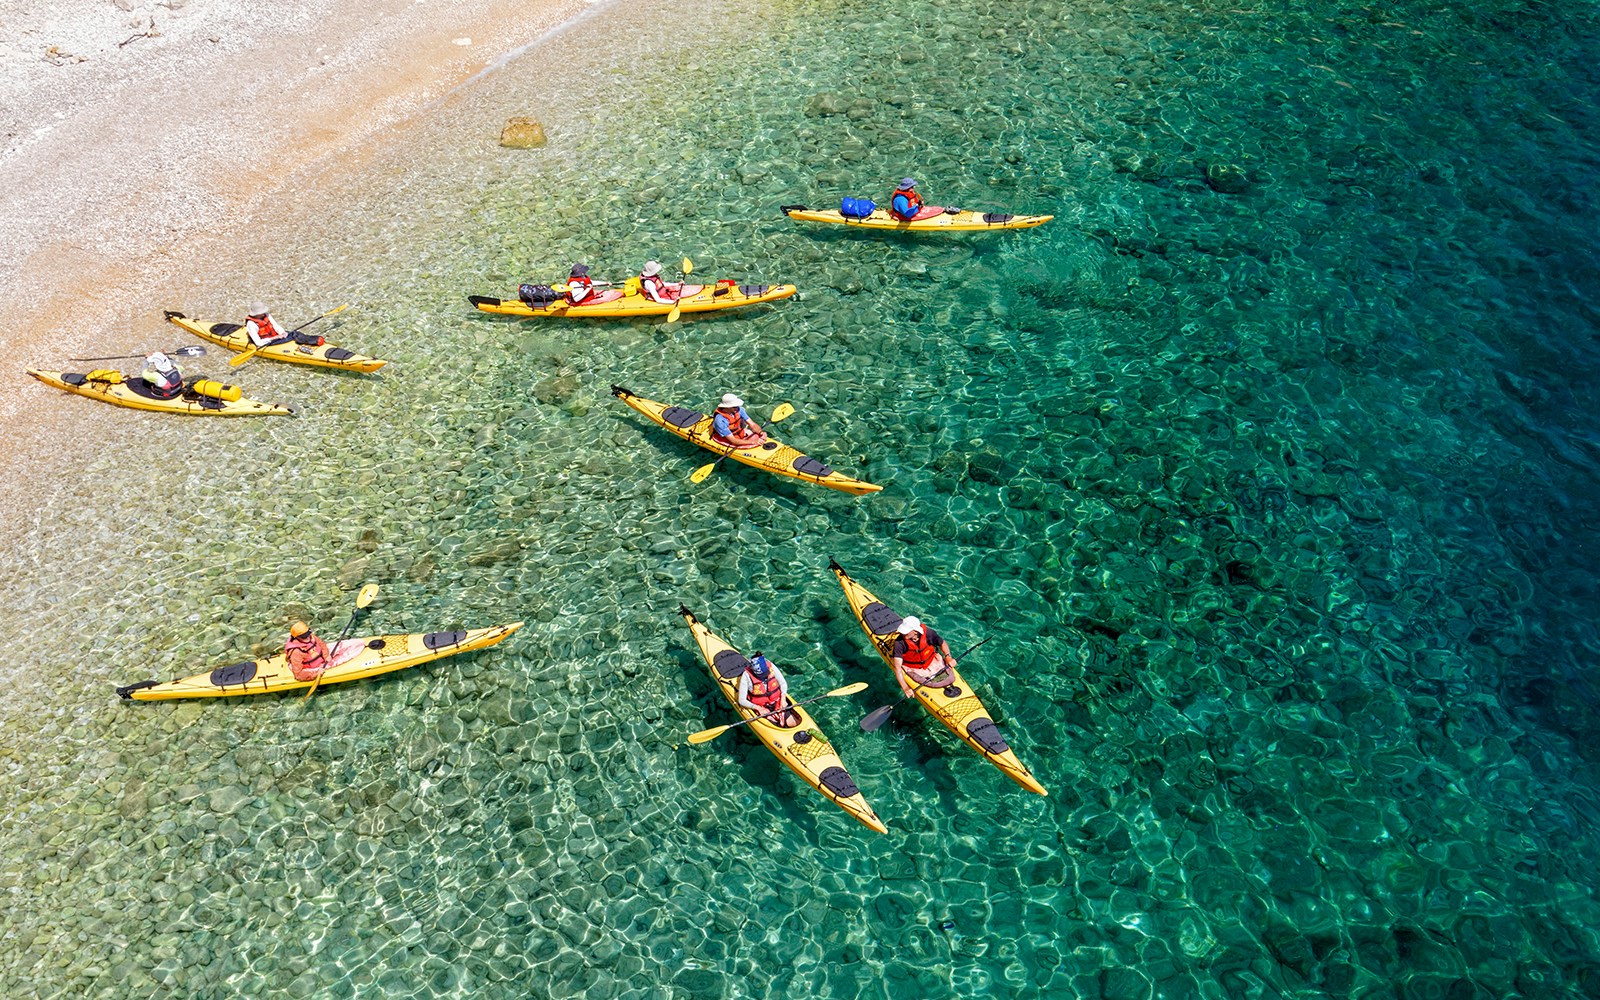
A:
[162,376]
[762,689]
[731,425]
[922,655]
[654,288]
[307,654]
[579,285]
[262,329]
[905,203]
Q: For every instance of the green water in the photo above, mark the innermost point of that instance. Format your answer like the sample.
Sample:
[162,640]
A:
[1269,467]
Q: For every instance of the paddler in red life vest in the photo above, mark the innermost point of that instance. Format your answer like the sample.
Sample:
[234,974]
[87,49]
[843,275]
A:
[307,654]
[262,329]
[652,287]
[762,689]
[162,376]
[731,425]
[905,203]
[921,654]
[579,285]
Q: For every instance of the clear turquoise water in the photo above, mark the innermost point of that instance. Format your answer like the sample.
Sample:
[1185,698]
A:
[1275,499]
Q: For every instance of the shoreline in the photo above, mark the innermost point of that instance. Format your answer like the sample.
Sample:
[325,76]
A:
[133,179]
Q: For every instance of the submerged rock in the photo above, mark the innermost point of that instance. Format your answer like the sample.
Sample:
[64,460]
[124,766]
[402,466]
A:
[522,133]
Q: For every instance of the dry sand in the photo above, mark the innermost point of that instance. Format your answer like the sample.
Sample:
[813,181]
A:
[138,134]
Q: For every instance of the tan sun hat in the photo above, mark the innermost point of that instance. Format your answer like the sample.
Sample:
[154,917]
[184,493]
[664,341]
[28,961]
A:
[731,401]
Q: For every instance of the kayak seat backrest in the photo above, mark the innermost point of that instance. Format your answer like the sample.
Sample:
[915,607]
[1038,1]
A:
[995,218]
[439,640]
[234,675]
[677,416]
[838,781]
[806,465]
[881,618]
[754,289]
[987,735]
[73,378]
[224,329]
[338,354]
[730,663]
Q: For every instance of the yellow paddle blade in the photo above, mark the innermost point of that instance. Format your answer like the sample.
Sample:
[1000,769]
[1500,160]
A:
[783,412]
[335,312]
[242,357]
[703,473]
[677,310]
[847,689]
[367,595]
[688,266]
[707,735]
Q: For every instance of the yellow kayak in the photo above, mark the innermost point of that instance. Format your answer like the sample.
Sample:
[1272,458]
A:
[232,336]
[620,303]
[774,456]
[931,219]
[121,390]
[955,706]
[353,660]
[803,748]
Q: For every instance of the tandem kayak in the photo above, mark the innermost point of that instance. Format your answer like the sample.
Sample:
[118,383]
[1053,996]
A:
[774,456]
[802,748]
[613,303]
[132,393]
[930,219]
[955,706]
[353,660]
[232,336]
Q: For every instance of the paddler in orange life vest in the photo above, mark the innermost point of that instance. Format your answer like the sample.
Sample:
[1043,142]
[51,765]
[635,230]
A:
[654,288]
[905,203]
[262,329]
[162,376]
[921,654]
[762,689]
[731,425]
[579,285]
[307,654]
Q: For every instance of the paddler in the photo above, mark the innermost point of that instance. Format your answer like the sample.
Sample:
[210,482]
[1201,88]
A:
[262,329]
[307,654]
[654,288]
[731,425]
[762,689]
[579,285]
[922,655]
[905,203]
[162,376]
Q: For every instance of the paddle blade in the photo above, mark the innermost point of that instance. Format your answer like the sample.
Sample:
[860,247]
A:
[848,689]
[783,412]
[876,718]
[707,735]
[367,595]
[688,266]
[241,358]
[191,351]
[677,310]
[703,473]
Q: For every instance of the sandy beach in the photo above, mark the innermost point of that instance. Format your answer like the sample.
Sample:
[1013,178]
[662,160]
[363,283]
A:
[142,138]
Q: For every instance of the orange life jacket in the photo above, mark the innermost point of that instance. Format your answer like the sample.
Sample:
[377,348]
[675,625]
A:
[913,199]
[583,282]
[919,651]
[264,328]
[307,655]
[738,427]
[766,693]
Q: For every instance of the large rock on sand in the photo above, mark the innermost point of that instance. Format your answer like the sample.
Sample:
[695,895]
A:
[522,133]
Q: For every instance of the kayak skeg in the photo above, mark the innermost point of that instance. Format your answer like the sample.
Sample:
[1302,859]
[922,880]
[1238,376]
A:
[802,748]
[232,336]
[956,705]
[622,303]
[353,660]
[929,220]
[134,394]
[774,456]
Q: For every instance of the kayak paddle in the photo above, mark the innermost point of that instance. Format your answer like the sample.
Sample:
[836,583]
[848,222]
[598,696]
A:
[188,351]
[707,735]
[783,412]
[250,352]
[677,306]
[875,719]
[365,596]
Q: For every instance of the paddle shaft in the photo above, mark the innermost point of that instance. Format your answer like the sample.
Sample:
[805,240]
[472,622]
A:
[835,693]
[334,649]
[187,351]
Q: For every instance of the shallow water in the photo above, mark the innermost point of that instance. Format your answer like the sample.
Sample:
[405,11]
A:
[1267,465]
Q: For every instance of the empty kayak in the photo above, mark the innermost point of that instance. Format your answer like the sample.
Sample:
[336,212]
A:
[774,456]
[232,336]
[955,706]
[200,397]
[613,303]
[802,748]
[353,660]
[929,219]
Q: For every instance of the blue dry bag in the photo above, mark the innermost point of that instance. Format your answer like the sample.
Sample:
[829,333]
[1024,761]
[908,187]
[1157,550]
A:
[856,208]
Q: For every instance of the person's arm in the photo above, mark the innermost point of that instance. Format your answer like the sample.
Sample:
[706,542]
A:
[902,205]
[783,683]
[944,647]
[744,695]
[899,664]
[252,330]
[755,428]
[719,426]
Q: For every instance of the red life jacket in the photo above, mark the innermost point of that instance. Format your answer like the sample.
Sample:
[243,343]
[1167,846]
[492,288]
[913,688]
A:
[582,282]
[766,693]
[655,289]
[912,199]
[264,328]
[738,427]
[919,651]
[307,655]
